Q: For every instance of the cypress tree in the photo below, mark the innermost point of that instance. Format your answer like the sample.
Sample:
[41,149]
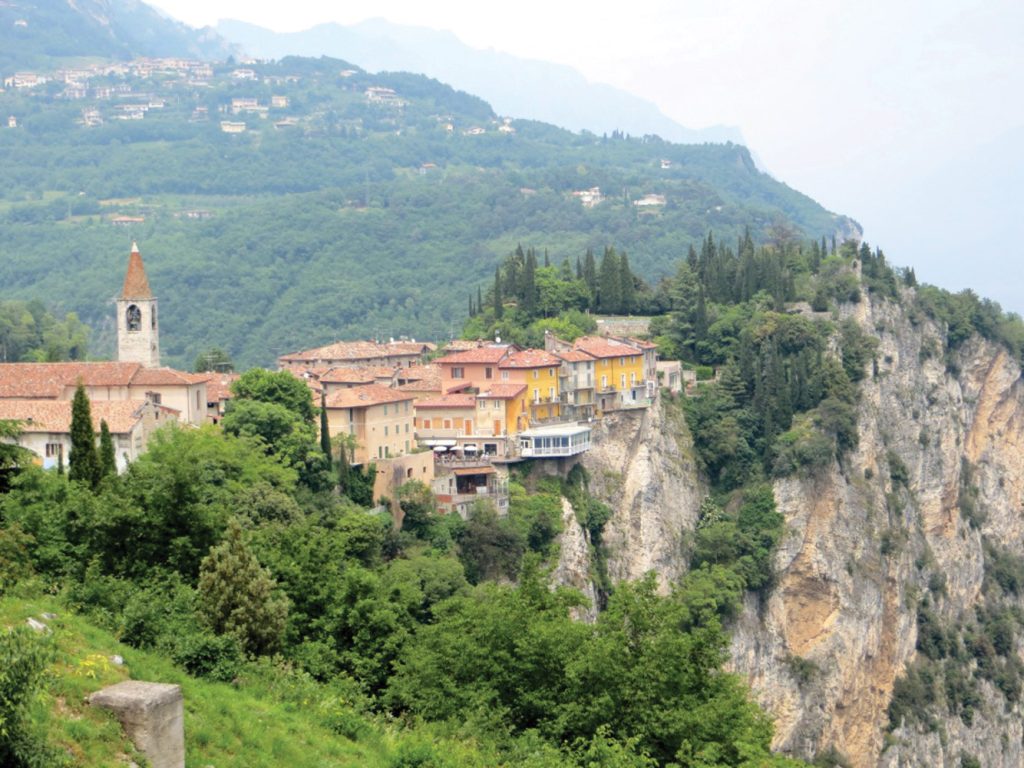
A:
[344,469]
[107,457]
[547,261]
[590,276]
[479,301]
[627,288]
[325,433]
[609,297]
[83,464]
[530,284]
[498,304]
[579,268]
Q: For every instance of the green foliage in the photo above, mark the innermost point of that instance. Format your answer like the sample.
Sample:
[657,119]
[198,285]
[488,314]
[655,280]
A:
[29,333]
[106,456]
[24,657]
[213,359]
[236,595]
[276,388]
[10,454]
[83,463]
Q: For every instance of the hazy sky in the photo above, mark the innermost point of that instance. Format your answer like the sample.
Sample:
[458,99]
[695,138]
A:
[873,108]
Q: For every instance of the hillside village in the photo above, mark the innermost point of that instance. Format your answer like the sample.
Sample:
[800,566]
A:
[455,417]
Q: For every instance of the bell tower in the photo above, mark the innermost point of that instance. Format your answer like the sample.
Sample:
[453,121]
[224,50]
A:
[138,333]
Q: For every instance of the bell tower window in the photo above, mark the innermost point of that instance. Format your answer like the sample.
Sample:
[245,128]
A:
[133,318]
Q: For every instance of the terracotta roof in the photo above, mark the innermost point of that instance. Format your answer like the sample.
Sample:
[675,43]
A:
[428,372]
[601,347]
[461,345]
[42,380]
[422,385]
[448,401]
[359,350]
[641,343]
[218,386]
[365,396]
[530,358]
[356,374]
[33,380]
[573,355]
[489,354]
[157,377]
[55,415]
[136,286]
[505,391]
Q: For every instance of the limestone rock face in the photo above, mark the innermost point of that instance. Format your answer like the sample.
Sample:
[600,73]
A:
[823,650]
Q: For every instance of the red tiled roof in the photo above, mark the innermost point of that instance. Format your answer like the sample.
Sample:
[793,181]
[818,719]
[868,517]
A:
[573,355]
[461,345]
[365,396]
[55,415]
[359,350]
[601,347]
[489,354]
[218,386]
[157,377]
[136,286]
[530,358]
[422,385]
[448,401]
[505,391]
[34,380]
[356,374]
[50,380]
[429,372]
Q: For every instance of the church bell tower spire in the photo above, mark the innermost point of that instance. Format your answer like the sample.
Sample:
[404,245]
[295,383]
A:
[138,334]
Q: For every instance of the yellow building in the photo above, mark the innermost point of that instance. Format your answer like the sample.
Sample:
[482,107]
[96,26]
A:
[538,371]
[379,418]
[618,372]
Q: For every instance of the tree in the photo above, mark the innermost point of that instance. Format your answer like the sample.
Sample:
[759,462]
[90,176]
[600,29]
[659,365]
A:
[499,305]
[24,658]
[83,463]
[10,455]
[325,433]
[107,457]
[609,297]
[279,387]
[236,595]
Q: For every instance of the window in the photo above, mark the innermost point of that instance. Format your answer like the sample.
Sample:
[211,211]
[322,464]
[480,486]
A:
[536,374]
[385,430]
[622,381]
[536,395]
[551,372]
[481,404]
[407,427]
[133,318]
[504,375]
[153,397]
[426,423]
[458,373]
[152,317]
[407,450]
[622,361]
[551,393]
[406,406]
[53,449]
[447,423]
[385,409]
[488,373]
[497,405]
[604,382]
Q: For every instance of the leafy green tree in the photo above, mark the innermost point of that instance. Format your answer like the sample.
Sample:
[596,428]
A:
[83,463]
[107,456]
[236,595]
[10,453]
[277,387]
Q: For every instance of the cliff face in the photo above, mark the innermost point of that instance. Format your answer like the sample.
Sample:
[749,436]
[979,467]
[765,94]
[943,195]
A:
[866,541]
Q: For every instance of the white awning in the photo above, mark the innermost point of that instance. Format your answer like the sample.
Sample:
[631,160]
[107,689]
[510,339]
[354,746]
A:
[440,443]
[440,448]
[469,448]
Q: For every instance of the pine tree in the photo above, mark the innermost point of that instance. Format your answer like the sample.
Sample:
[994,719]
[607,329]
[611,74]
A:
[236,595]
[325,433]
[579,268]
[83,463]
[107,457]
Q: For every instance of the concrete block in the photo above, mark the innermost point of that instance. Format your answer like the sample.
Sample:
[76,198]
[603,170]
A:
[153,716]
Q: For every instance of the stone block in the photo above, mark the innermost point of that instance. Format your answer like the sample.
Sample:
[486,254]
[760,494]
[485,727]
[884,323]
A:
[153,716]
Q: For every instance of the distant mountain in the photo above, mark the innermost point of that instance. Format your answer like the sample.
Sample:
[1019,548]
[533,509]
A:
[38,33]
[536,90]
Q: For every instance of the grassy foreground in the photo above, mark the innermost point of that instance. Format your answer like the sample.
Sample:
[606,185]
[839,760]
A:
[262,719]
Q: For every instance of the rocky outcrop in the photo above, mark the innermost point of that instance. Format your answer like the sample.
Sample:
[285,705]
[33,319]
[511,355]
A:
[866,540]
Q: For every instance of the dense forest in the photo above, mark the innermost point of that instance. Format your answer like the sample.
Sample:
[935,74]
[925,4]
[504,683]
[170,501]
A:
[358,219]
